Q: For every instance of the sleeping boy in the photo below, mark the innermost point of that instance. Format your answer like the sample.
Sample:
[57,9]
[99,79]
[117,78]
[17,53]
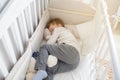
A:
[61,44]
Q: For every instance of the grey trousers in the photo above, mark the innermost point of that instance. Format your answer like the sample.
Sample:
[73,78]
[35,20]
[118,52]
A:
[68,59]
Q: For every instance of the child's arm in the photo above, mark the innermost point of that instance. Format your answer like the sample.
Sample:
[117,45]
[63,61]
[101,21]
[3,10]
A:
[54,37]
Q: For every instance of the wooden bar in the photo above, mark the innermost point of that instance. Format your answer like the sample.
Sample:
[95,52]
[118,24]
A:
[28,18]
[17,37]
[9,48]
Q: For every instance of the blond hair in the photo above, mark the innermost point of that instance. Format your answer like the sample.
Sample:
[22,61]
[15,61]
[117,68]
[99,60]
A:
[55,21]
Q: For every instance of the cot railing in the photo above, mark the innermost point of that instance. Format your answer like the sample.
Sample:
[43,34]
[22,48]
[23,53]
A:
[17,24]
[107,62]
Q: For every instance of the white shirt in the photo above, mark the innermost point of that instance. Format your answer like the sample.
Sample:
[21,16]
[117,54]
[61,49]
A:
[63,35]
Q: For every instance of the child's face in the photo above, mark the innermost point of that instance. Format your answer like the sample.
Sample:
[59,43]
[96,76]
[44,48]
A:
[53,26]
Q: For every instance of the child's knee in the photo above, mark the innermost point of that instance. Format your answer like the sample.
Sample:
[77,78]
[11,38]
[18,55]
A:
[75,64]
[77,60]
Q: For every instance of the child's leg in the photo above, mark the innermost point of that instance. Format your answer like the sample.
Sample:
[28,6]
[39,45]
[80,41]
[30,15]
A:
[68,59]
[63,52]
[59,68]
[42,58]
[40,65]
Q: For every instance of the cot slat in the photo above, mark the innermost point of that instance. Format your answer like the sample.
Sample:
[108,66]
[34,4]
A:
[4,56]
[35,13]
[42,6]
[23,29]
[9,48]
[22,18]
[29,20]
[39,9]
[17,36]
[46,4]
[29,10]
[13,40]
[3,70]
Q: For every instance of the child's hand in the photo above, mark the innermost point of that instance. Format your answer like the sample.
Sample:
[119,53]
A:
[47,34]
